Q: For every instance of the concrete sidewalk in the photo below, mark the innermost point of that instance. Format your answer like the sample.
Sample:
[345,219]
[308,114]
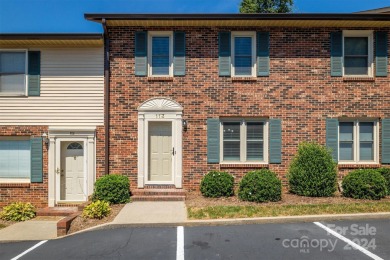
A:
[149,212]
[39,228]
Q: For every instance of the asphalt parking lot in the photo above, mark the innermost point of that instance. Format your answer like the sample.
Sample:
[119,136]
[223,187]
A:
[344,240]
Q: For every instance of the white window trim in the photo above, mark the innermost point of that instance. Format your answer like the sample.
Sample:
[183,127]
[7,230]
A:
[243,140]
[160,33]
[254,65]
[25,72]
[356,141]
[369,35]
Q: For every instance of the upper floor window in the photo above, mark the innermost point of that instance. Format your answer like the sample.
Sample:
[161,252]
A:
[243,54]
[358,53]
[243,140]
[160,51]
[358,141]
[13,67]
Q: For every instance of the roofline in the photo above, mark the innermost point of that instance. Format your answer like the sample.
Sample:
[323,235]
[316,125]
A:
[285,16]
[51,36]
[381,10]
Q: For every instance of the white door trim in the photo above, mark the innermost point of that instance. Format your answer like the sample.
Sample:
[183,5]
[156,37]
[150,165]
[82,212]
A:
[56,136]
[159,109]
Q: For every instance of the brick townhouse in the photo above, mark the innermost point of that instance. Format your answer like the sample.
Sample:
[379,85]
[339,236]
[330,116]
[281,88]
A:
[163,99]
[190,93]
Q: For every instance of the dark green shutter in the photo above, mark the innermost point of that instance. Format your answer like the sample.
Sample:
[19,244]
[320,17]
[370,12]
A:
[386,140]
[332,137]
[336,60]
[224,54]
[179,53]
[36,159]
[141,51]
[213,132]
[34,73]
[262,47]
[275,141]
[381,54]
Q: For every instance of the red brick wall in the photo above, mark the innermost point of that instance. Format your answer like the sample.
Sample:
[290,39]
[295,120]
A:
[299,90]
[36,193]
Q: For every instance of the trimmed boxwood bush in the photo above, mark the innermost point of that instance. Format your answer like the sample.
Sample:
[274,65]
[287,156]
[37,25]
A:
[385,172]
[217,184]
[18,211]
[112,188]
[364,184]
[312,171]
[260,186]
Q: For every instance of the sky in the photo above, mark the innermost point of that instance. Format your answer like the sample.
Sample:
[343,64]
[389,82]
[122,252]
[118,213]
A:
[67,16]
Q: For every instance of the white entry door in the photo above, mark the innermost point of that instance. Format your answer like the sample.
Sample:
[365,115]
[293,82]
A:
[72,171]
[160,152]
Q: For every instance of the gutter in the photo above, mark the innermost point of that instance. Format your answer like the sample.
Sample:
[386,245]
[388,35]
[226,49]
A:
[106,98]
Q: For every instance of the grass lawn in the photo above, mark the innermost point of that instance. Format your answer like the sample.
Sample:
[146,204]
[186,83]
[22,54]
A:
[248,211]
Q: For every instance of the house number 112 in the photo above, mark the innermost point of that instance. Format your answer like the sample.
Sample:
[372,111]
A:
[159,115]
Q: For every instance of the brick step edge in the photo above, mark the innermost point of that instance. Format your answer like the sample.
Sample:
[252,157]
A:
[157,198]
[49,212]
[63,225]
[160,192]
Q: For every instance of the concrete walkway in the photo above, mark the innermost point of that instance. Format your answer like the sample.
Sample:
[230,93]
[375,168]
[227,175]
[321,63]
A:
[39,228]
[152,212]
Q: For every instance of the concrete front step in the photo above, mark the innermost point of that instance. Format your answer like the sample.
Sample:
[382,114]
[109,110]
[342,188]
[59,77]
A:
[57,211]
[158,198]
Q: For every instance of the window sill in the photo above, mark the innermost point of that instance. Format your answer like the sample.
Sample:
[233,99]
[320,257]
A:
[358,166]
[160,78]
[243,165]
[245,79]
[14,185]
[358,79]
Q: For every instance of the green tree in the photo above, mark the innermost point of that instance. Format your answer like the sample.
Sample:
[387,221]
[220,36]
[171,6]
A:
[266,6]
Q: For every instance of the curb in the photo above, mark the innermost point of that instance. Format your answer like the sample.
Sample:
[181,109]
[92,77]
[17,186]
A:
[243,221]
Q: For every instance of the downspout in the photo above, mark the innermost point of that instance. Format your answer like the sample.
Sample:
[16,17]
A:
[106,99]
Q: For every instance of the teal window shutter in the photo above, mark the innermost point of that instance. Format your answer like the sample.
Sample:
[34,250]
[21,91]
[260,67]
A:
[34,73]
[332,137]
[275,141]
[179,53]
[36,159]
[386,140]
[141,51]
[336,59]
[224,54]
[262,49]
[213,132]
[381,54]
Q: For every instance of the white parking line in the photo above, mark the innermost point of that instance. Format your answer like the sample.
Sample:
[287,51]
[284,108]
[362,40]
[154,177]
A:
[349,242]
[180,243]
[29,250]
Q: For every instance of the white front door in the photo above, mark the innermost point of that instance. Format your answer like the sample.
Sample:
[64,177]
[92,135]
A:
[160,152]
[72,172]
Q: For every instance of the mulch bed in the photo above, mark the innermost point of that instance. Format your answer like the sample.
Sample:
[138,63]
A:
[80,223]
[195,199]
[4,223]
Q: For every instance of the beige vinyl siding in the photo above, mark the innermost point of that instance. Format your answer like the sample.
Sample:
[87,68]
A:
[72,82]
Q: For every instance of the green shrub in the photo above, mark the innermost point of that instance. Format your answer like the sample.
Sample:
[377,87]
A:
[364,184]
[385,172]
[112,188]
[18,211]
[313,172]
[97,209]
[217,184]
[260,186]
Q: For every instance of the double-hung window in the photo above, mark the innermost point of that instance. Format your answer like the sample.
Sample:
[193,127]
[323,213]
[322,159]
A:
[358,53]
[160,58]
[13,67]
[244,140]
[243,54]
[358,141]
[15,159]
